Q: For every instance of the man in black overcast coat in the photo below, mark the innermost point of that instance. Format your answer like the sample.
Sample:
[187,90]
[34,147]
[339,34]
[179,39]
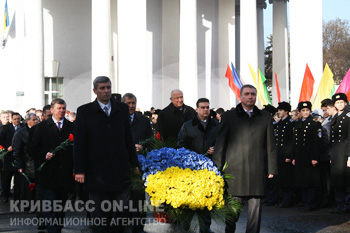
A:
[141,128]
[244,138]
[172,117]
[56,176]
[8,169]
[104,152]
[199,135]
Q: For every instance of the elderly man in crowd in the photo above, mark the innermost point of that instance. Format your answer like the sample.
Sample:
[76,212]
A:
[8,171]
[174,115]
[141,128]
[22,162]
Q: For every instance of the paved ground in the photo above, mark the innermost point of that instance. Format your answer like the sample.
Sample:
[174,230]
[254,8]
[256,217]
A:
[274,220]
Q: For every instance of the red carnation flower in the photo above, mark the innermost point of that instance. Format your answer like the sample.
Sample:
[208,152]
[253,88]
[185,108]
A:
[31,186]
[71,137]
[2,148]
[158,136]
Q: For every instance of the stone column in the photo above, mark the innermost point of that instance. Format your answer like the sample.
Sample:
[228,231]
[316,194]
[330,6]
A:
[305,44]
[248,40]
[101,40]
[261,5]
[34,53]
[227,23]
[170,48]
[188,78]
[280,51]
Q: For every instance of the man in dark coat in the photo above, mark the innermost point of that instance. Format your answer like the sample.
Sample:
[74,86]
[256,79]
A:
[141,128]
[340,154]
[56,176]
[284,143]
[324,164]
[172,117]
[244,138]
[8,169]
[104,153]
[199,135]
[307,140]
[22,162]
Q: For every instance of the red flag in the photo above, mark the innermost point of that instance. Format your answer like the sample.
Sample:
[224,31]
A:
[308,85]
[231,83]
[278,89]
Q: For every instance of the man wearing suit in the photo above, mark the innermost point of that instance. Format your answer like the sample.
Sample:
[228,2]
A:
[56,176]
[8,170]
[22,162]
[172,117]
[141,128]
[245,137]
[199,135]
[104,153]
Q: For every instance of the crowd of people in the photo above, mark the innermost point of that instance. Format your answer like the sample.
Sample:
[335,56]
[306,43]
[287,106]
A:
[278,156]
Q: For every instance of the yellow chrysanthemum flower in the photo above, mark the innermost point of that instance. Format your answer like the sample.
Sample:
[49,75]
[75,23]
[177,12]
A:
[186,188]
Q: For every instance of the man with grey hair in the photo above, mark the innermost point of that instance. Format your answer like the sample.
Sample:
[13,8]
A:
[4,118]
[8,171]
[141,128]
[172,117]
[104,153]
[22,161]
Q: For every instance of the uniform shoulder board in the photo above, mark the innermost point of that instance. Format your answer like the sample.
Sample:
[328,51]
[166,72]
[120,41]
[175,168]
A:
[348,114]
[320,133]
[291,120]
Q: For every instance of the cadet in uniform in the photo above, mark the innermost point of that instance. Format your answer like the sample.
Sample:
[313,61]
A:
[307,140]
[284,143]
[340,153]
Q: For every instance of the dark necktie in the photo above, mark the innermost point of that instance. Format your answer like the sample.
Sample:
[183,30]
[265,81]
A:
[106,110]
[59,125]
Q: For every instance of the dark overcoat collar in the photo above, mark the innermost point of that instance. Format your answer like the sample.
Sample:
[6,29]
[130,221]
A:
[241,111]
[114,105]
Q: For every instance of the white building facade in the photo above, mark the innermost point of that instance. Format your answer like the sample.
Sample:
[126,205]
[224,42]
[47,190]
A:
[56,48]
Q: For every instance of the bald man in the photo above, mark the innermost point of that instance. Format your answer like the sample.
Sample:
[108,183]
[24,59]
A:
[172,117]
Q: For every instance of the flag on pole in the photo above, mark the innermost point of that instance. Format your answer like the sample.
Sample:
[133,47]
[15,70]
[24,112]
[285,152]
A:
[325,89]
[236,78]
[278,89]
[308,85]
[253,74]
[263,89]
[255,83]
[344,86]
[6,17]
[231,83]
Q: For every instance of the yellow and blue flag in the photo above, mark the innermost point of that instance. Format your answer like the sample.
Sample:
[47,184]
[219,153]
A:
[6,18]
